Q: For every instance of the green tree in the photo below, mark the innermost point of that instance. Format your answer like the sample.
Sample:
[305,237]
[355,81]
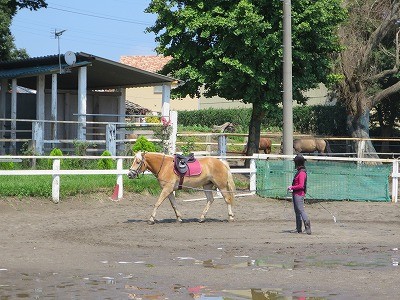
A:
[368,63]
[234,48]
[8,9]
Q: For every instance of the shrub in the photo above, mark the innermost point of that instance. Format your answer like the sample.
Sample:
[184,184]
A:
[54,152]
[9,165]
[152,119]
[317,119]
[142,144]
[106,163]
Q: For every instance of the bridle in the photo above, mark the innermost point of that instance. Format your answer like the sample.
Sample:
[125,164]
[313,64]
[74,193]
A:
[135,173]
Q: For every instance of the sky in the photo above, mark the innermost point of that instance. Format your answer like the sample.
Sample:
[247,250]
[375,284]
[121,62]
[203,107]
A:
[109,29]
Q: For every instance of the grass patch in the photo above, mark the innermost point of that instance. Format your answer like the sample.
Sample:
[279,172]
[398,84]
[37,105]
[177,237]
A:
[70,185]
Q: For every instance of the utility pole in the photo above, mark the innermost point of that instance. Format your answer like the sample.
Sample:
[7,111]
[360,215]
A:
[287,80]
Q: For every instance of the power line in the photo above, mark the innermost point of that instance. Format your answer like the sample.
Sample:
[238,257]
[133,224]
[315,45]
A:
[100,17]
[43,27]
[79,34]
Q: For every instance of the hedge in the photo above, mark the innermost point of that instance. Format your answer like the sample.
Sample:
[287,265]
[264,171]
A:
[318,119]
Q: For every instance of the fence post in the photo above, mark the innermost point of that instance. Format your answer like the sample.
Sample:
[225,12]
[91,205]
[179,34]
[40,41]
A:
[208,141]
[173,118]
[55,189]
[120,179]
[111,139]
[253,176]
[360,148]
[37,136]
[222,145]
[395,181]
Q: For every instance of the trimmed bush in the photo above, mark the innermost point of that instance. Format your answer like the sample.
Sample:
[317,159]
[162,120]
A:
[143,144]
[106,163]
[317,119]
[54,152]
[9,165]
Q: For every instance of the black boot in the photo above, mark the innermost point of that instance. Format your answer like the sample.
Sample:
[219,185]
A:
[307,225]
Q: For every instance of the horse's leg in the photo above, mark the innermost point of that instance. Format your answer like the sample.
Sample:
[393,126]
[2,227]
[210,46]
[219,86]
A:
[164,194]
[172,200]
[228,197]
[210,199]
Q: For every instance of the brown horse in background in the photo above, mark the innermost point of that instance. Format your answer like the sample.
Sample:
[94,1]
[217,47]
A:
[215,174]
[265,145]
[310,145]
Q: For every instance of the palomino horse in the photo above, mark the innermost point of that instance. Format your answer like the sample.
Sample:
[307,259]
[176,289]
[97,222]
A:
[310,145]
[214,173]
[265,145]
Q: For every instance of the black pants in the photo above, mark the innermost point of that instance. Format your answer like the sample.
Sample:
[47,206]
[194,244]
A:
[298,204]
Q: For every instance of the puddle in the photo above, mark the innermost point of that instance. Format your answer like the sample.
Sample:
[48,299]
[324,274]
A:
[57,286]
[379,260]
[125,285]
[264,294]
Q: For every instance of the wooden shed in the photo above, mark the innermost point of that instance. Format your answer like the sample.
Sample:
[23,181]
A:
[70,93]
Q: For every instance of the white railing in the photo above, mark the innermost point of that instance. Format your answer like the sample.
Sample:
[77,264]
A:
[56,172]
[222,146]
[112,135]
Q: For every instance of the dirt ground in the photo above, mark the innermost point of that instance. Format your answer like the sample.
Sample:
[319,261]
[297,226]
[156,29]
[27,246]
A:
[89,247]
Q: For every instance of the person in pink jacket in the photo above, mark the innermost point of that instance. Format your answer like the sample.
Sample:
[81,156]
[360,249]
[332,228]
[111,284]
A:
[299,189]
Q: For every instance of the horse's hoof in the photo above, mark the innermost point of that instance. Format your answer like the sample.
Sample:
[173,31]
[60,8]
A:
[231,219]
[202,220]
[179,220]
[151,222]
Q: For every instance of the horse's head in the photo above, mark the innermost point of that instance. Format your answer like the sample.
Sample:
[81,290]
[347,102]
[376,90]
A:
[138,165]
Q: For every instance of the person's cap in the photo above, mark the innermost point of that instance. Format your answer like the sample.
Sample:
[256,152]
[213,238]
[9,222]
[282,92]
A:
[299,159]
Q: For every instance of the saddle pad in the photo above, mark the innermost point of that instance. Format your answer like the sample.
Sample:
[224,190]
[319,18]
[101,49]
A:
[194,168]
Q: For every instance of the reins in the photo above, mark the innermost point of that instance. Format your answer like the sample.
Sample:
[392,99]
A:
[162,163]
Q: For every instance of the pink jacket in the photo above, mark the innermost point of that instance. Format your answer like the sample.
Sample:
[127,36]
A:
[299,183]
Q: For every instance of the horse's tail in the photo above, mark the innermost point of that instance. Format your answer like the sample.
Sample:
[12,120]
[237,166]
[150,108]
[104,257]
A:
[230,183]
[328,147]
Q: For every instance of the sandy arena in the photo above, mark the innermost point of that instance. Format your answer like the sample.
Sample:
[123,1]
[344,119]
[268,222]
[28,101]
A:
[88,247]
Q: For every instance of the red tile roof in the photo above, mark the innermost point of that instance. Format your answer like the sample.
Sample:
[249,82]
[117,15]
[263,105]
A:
[151,63]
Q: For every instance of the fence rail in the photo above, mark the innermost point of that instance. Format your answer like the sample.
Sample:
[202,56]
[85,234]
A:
[56,172]
[221,143]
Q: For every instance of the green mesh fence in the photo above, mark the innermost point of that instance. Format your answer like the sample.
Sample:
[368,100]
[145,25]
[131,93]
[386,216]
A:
[327,180]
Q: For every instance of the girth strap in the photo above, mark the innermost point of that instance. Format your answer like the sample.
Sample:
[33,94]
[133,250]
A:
[180,182]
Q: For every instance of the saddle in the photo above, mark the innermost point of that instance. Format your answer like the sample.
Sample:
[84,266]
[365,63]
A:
[186,166]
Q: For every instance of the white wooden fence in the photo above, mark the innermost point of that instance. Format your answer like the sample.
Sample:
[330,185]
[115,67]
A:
[56,172]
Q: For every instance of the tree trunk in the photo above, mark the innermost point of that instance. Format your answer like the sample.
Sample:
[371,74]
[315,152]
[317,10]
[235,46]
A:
[358,126]
[386,131]
[257,115]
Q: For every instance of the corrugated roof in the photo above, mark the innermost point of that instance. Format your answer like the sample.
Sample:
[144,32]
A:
[133,108]
[34,70]
[101,73]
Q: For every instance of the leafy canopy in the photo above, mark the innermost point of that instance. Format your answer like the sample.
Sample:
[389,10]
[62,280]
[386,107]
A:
[234,47]
[8,9]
